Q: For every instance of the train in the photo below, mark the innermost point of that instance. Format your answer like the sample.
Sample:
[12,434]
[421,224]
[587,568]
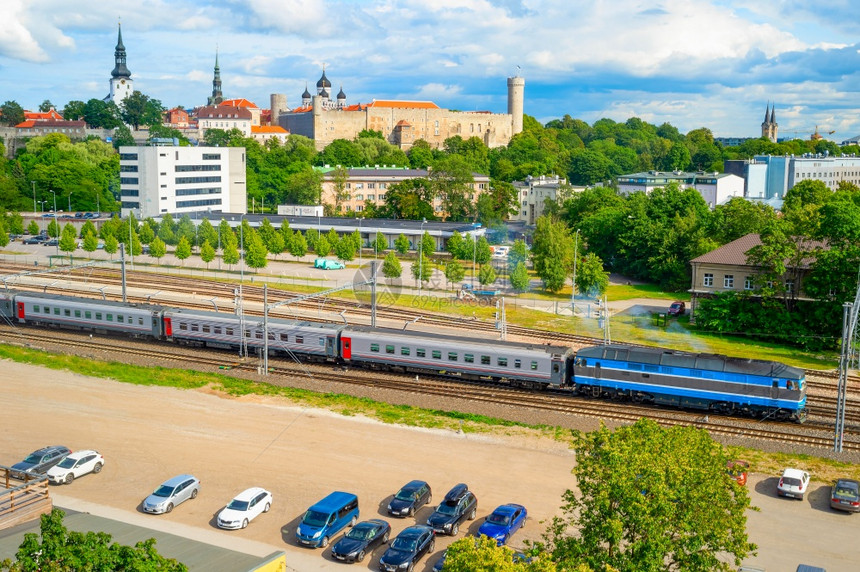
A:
[654,376]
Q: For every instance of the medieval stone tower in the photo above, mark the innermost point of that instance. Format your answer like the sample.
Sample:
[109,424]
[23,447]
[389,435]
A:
[770,127]
[278,105]
[516,93]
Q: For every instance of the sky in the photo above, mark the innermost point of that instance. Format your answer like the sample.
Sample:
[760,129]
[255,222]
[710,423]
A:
[691,63]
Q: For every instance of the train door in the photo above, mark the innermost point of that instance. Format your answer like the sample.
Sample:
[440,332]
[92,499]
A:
[774,390]
[329,347]
[21,314]
[168,326]
[345,348]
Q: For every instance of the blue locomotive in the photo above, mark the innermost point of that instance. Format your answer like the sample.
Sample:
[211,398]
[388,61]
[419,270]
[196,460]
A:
[654,376]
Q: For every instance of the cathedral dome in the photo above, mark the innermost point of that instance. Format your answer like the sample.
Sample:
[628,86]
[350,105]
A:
[341,94]
[323,82]
[306,94]
[324,94]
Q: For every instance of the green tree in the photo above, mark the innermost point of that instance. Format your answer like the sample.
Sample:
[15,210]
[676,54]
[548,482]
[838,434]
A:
[99,114]
[205,231]
[482,253]
[139,109]
[73,110]
[69,239]
[409,199]
[401,244]
[519,253]
[33,228]
[323,247]
[487,274]
[111,245]
[54,228]
[276,244]
[452,180]
[303,187]
[157,248]
[651,498]
[455,244]
[4,236]
[345,249]
[57,549]
[298,246]
[391,267]
[46,106]
[422,269]
[230,250]
[207,253]
[420,154]
[339,177]
[122,137]
[380,244]
[15,223]
[454,272]
[520,277]
[552,252]
[255,251]
[91,242]
[183,249]
[428,243]
[591,279]
[147,235]
[166,230]
[11,113]
[472,554]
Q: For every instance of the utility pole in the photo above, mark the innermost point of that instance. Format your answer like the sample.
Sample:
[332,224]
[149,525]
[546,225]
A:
[373,294]
[573,280]
[849,328]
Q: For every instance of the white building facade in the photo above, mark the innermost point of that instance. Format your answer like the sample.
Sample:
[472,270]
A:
[535,192]
[169,179]
[715,188]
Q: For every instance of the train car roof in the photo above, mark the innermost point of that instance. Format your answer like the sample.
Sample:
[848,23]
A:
[85,300]
[676,358]
[549,348]
[255,320]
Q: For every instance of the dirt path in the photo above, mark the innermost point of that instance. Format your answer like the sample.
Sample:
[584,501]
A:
[149,434]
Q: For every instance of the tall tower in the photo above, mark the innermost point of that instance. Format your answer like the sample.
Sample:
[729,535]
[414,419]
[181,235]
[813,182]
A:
[278,106]
[770,127]
[217,97]
[120,81]
[516,94]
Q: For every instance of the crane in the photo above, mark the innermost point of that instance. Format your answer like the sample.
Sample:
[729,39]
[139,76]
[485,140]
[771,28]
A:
[817,136]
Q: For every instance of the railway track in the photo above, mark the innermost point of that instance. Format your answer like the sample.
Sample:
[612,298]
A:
[812,435]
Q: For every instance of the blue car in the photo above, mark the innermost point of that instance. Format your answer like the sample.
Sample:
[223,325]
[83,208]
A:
[504,522]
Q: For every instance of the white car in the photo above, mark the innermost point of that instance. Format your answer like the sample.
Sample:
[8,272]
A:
[76,465]
[793,483]
[244,508]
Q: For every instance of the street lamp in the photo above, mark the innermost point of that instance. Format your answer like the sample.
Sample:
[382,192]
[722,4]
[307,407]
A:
[359,219]
[34,196]
[421,255]
[70,201]
[53,192]
[573,282]
[474,257]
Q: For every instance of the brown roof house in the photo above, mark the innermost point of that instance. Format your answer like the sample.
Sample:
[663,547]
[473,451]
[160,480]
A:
[726,269]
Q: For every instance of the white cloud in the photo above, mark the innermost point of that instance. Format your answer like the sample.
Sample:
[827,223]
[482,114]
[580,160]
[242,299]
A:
[433,91]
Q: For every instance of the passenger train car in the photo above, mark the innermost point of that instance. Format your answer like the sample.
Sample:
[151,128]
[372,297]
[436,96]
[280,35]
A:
[649,375]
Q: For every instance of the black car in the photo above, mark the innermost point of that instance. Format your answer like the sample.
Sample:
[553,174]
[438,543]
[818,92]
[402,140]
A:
[362,538]
[412,496]
[38,462]
[38,239]
[408,548]
[458,505]
[52,242]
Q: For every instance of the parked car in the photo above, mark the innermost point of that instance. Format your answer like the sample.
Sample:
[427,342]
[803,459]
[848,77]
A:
[412,496]
[408,548]
[76,465]
[504,522]
[52,242]
[172,492]
[34,240]
[79,215]
[247,505]
[364,537]
[38,462]
[326,264]
[326,518]
[738,471]
[677,309]
[845,495]
[793,483]
[48,215]
[459,504]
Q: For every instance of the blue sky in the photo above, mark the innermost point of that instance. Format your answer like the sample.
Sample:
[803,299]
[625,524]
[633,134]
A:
[692,63]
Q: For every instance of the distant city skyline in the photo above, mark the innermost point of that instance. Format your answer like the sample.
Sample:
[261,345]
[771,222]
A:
[691,63]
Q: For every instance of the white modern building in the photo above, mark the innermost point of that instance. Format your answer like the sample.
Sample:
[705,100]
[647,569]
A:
[715,188]
[535,192]
[161,179]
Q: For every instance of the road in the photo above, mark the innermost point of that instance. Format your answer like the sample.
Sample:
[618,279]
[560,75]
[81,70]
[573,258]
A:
[149,434]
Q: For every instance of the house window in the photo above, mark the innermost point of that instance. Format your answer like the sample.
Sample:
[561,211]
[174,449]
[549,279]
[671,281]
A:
[789,286]
[728,281]
[708,279]
[748,283]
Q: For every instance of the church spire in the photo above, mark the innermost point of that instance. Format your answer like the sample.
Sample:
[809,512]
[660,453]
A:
[773,114]
[767,112]
[120,70]
[217,97]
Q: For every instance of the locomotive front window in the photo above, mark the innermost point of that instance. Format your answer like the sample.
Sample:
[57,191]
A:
[485,360]
[420,352]
[453,356]
[374,347]
[404,351]
[469,358]
[503,362]
[555,368]
[534,365]
[389,349]
[437,354]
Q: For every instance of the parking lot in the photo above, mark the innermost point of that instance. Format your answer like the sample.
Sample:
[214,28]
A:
[148,434]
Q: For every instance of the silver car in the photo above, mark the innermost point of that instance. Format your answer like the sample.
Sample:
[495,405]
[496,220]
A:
[171,493]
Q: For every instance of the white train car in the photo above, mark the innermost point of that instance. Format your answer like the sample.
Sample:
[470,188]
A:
[100,316]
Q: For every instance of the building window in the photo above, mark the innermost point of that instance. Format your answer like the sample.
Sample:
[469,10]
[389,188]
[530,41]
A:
[748,283]
[789,286]
[728,281]
[708,280]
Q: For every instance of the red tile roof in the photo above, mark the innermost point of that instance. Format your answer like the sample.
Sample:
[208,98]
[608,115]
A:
[55,124]
[403,104]
[241,102]
[735,252]
[269,129]
[43,116]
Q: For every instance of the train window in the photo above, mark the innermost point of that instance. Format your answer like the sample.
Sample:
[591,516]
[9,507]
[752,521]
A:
[98,315]
[271,336]
[374,347]
[789,385]
[404,351]
[35,308]
[517,363]
[216,329]
[322,342]
[77,313]
[453,356]
[437,354]
[228,331]
[110,317]
[258,334]
[420,352]
[469,358]
[285,337]
[652,368]
[502,361]
[634,366]
[67,312]
[300,339]
[534,365]
[195,328]
[205,329]
[555,368]
[485,360]
[88,315]
[47,310]
[389,349]
[247,334]
[139,321]
[183,326]
[56,311]
[122,319]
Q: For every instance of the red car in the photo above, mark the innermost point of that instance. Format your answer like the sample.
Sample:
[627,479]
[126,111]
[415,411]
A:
[677,309]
